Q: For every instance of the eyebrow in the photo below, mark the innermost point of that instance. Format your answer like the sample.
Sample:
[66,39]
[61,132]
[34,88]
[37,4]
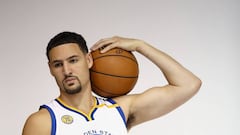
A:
[74,56]
[71,57]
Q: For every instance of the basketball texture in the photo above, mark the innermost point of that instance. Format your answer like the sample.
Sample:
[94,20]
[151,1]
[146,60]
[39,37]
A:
[113,73]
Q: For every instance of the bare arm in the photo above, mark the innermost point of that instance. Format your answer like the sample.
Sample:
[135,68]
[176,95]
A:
[38,123]
[159,100]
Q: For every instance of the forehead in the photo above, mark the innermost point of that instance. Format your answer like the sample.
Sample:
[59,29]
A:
[64,51]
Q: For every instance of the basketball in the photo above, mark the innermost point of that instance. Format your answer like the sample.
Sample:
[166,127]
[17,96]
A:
[113,73]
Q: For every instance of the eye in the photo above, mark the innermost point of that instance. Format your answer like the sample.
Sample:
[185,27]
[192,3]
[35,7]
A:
[56,65]
[74,60]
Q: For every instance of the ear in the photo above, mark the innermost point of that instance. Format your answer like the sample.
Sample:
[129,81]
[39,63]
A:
[89,60]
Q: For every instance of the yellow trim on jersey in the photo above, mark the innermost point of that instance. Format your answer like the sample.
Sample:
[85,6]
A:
[108,106]
[113,106]
[95,106]
[75,109]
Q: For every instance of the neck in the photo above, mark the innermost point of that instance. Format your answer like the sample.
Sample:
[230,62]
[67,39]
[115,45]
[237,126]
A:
[81,101]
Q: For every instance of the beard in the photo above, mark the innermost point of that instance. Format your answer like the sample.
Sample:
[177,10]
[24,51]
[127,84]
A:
[72,88]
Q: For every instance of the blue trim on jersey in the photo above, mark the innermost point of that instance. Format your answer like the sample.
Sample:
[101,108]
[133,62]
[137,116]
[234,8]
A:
[53,118]
[72,110]
[119,110]
[95,109]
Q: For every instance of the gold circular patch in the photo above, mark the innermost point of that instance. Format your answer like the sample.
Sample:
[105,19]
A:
[67,119]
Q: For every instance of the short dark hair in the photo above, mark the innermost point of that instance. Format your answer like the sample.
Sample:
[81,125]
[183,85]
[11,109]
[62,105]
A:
[67,37]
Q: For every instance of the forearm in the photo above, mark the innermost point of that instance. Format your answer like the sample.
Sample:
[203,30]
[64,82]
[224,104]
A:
[174,72]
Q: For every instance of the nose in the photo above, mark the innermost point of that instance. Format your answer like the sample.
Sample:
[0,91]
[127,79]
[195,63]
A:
[66,69]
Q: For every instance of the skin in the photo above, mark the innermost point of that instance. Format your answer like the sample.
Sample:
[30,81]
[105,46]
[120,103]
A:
[158,100]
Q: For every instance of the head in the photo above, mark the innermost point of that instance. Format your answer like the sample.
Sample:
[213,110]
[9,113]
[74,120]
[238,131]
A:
[69,62]
[67,37]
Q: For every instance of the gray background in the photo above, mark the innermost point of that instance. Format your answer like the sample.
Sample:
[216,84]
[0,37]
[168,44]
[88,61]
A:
[203,35]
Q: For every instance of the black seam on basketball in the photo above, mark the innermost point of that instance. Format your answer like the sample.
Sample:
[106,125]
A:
[107,92]
[116,55]
[114,75]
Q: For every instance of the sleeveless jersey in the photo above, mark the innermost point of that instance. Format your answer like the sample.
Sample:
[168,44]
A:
[105,118]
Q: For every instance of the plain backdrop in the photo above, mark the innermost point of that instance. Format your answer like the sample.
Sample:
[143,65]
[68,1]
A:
[203,35]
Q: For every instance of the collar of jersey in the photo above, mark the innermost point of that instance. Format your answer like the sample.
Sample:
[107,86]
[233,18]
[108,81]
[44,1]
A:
[88,117]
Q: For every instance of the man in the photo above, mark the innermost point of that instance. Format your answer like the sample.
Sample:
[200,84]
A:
[77,112]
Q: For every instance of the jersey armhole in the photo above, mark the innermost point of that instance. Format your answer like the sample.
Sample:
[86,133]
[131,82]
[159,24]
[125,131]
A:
[53,118]
[119,110]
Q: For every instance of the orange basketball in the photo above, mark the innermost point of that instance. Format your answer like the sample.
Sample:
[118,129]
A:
[113,73]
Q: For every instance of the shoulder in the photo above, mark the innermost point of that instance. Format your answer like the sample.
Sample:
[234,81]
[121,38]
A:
[126,103]
[38,123]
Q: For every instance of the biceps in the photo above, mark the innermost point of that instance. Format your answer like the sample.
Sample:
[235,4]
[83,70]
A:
[156,102]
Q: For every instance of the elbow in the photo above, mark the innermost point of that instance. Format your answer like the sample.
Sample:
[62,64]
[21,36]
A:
[195,85]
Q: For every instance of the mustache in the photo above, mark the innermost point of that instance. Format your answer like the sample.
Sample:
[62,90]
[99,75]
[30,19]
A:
[69,76]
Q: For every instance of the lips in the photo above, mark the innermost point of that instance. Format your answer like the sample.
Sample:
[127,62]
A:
[69,79]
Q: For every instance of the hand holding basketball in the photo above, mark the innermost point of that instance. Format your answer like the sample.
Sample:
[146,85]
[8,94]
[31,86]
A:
[107,44]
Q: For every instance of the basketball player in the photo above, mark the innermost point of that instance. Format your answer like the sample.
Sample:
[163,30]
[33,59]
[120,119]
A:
[76,111]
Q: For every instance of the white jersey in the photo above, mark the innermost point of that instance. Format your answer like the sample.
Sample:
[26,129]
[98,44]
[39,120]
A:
[105,118]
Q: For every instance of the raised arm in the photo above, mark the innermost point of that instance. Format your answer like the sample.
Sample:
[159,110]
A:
[158,100]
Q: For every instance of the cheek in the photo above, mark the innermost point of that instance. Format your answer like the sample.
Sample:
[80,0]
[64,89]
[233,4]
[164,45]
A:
[82,71]
[59,81]
[58,76]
